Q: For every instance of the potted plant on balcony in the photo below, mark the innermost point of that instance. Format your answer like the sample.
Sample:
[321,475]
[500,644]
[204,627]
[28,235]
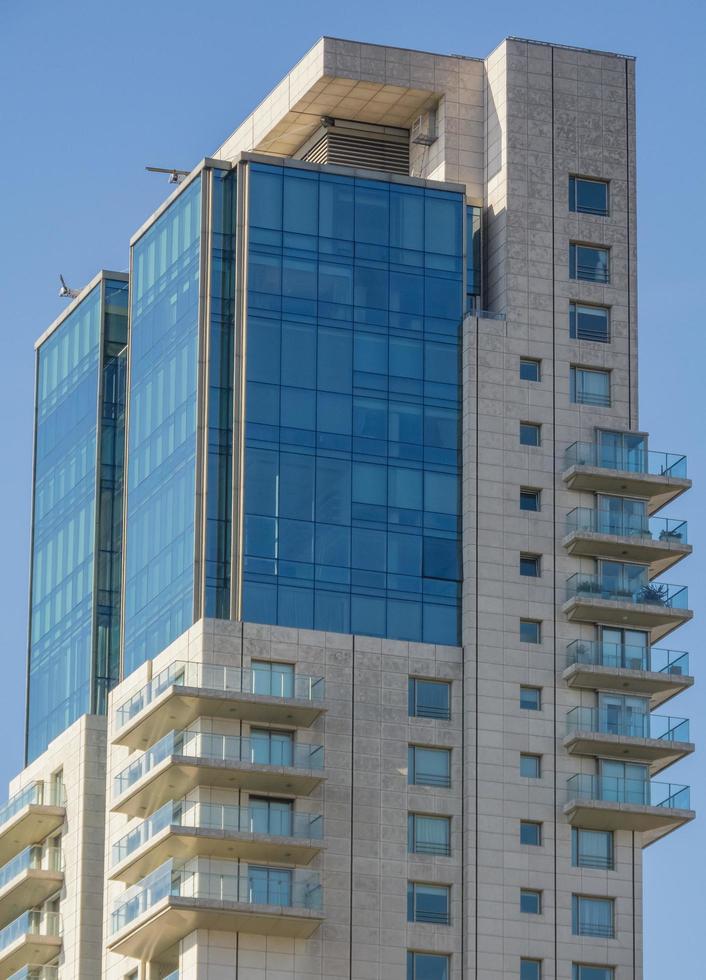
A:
[653,594]
[673,536]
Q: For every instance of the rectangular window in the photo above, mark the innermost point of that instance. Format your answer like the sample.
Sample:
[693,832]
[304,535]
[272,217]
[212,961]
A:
[270,816]
[428,767]
[530,369]
[589,263]
[588,196]
[427,966]
[530,766]
[530,969]
[531,833]
[428,835]
[592,916]
[531,698]
[592,848]
[428,903]
[583,972]
[270,886]
[429,699]
[530,499]
[590,386]
[530,434]
[530,566]
[275,680]
[270,748]
[589,323]
[530,631]
[530,901]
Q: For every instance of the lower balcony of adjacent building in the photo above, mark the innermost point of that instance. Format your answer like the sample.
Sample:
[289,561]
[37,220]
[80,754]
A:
[172,902]
[37,971]
[30,816]
[657,740]
[606,803]
[653,672]
[182,830]
[28,880]
[33,937]
[657,542]
[654,606]
[184,691]
[183,760]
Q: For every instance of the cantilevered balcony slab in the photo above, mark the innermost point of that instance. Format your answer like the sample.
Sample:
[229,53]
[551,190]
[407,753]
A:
[177,775]
[174,917]
[34,937]
[182,843]
[178,706]
[659,686]
[652,822]
[29,820]
[28,890]
[659,553]
[656,752]
[588,602]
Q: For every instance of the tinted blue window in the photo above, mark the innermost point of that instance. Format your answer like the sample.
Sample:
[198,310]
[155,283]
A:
[360,441]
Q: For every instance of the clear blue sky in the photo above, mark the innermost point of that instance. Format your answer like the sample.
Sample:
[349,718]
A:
[90,92]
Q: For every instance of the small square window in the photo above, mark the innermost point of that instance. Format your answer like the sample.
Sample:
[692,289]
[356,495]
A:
[530,631]
[592,916]
[531,698]
[589,263]
[530,434]
[428,834]
[427,966]
[530,969]
[530,369]
[530,566]
[429,699]
[583,972]
[592,849]
[428,766]
[530,766]
[530,833]
[530,499]
[530,901]
[587,196]
[590,386]
[428,903]
[589,323]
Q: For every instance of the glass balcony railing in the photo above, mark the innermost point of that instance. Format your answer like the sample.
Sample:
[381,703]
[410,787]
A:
[640,792]
[596,653]
[649,593]
[628,724]
[221,817]
[35,858]
[221,748]
[626,458]
[36,973]
[31,923]
[214,677]
[48,794]
[286,889]
[662,529]
[173,976]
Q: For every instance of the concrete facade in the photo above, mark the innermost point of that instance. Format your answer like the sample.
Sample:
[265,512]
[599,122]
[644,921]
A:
[512,128]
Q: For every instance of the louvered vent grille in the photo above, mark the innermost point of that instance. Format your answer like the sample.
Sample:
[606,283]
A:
[369,152]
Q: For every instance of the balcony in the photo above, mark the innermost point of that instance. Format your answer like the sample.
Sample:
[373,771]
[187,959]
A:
[654,606]
[610,803]
[659,740]
[655,541]
[182,760]
[34,937]
[628,470]
[36,972]
[172,902]
[28,880]
[30,816]
[657,673]
[183,692]
[184,830]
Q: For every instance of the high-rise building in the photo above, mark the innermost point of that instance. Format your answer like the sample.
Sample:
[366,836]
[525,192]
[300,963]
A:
[369,685]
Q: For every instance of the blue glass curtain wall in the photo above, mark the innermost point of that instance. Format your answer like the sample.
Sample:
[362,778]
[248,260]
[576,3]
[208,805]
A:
[161,477]
[352,419]
[61,615]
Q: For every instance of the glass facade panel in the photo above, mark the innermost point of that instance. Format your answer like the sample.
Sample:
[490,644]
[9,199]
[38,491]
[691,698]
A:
[352,419]
[63,545]
[159,560]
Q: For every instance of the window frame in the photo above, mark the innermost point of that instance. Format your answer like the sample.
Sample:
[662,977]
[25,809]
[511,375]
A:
[435,850]
[529,961]
[531,362]
[576,900]
[536,825]
[444,917]
[578,397]
[537,690]
[537,759]
[578,968]
[531,561]
[574,334]
[574,208]
[574,263]
[442,782]
[412,967]
[413,700]
[534,894]
[608,865]
[538,632]
[537,494]
[527,427]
